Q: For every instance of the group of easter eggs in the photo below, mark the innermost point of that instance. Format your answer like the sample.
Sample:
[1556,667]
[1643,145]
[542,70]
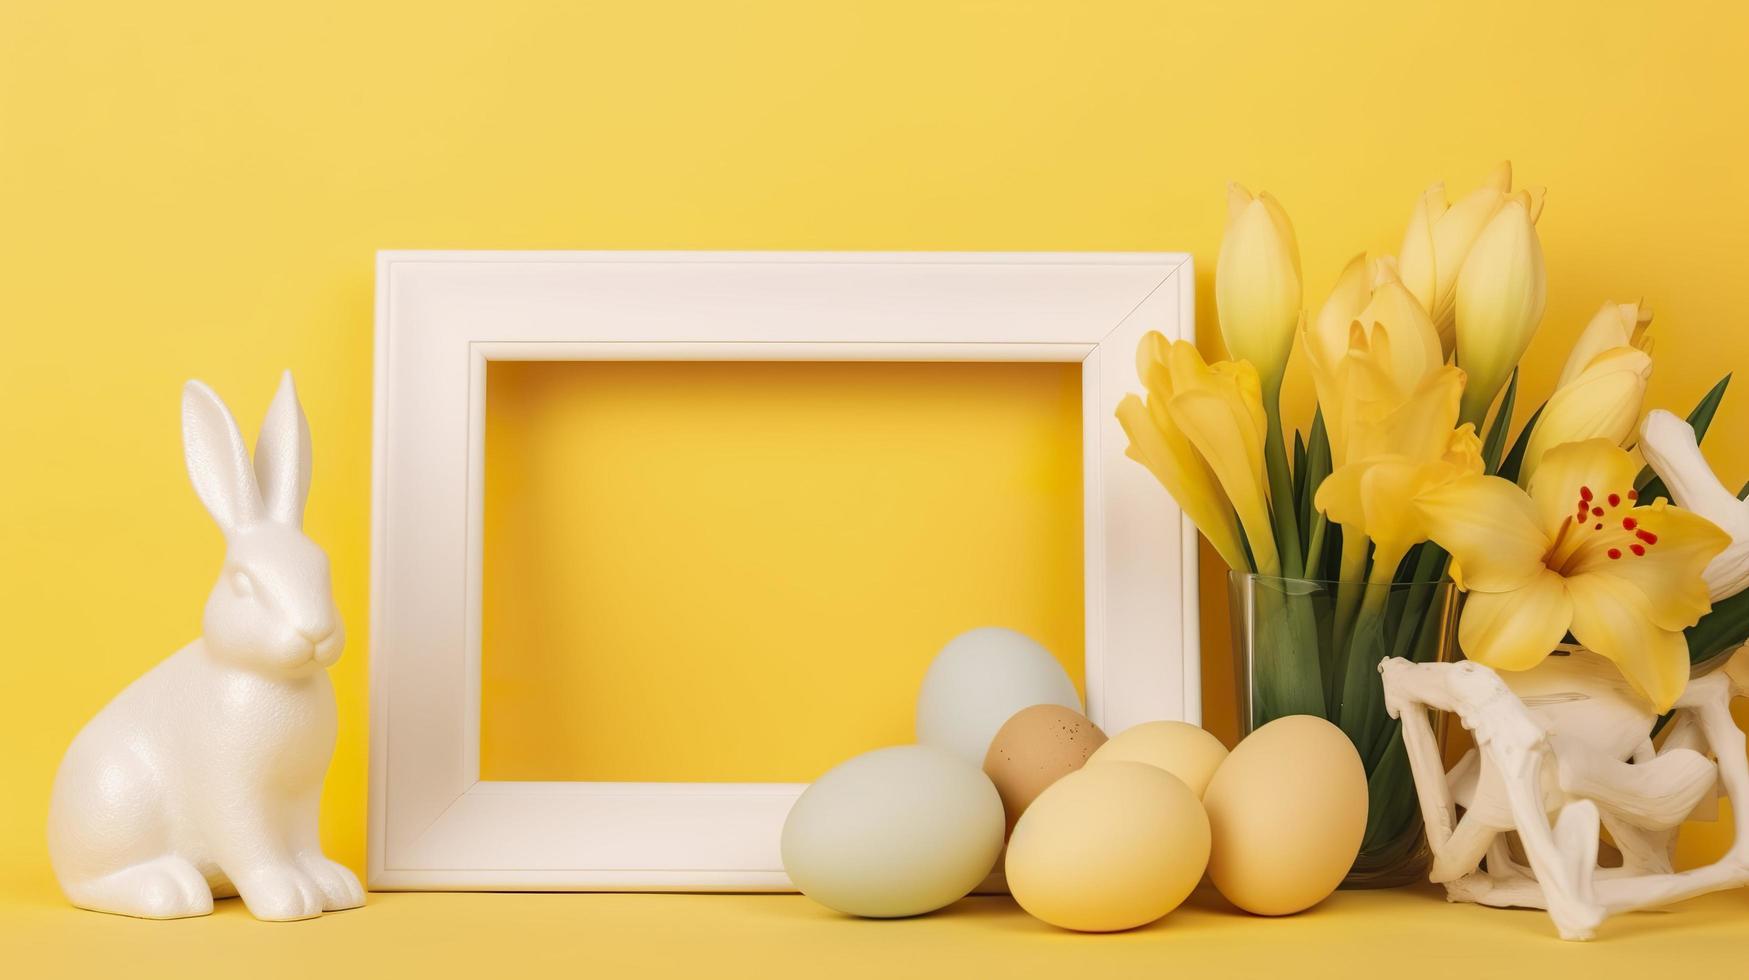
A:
[1010,781]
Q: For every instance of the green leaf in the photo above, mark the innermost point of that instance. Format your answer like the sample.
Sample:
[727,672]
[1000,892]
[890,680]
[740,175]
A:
[1313,470]
[1743,493]
[1299,474]
[1718,632]
[1649,484]
[1495,443]
[1514,460]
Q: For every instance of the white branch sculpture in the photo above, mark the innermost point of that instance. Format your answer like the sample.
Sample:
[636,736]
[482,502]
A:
[1570,738]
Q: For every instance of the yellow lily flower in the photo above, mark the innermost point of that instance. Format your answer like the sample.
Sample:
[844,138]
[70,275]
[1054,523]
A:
[1157,443]
[1361,385]
[1501,292]
[1577,553]
[1418,425]
[1440,236]
[1616,325]
[1219,408]
[1601,401]
[1370,292]
[1257,284]
[1417,451]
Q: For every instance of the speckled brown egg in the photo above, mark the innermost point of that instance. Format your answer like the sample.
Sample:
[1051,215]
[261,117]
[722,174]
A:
[1035,748]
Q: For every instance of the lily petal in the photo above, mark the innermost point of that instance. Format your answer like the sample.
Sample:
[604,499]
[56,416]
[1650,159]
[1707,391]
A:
[1610,618]
[1184,474]
[1422,426]
[1660,552]
[1588,471]
[1415,340]
[1491,530]
[1327,336]
[1220,430]
[1515,630]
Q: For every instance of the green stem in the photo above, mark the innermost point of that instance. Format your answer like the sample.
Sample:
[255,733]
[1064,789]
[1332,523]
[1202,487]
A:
[1285,657]
[1282,651]
[1426,581]
[1349,579]
[1361,693]
[1315,547]
[1281,491]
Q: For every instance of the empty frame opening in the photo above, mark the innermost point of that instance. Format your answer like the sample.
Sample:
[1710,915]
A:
[703,571]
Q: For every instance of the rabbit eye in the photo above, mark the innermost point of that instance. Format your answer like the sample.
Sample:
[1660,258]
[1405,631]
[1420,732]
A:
[242,584]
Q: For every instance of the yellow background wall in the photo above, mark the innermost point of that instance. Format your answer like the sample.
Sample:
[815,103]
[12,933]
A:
[196,190]
[739,572]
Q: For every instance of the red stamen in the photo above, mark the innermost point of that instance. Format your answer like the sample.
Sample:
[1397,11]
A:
[1597,512]
[1615,553]
[1637,549]
[1585,493]
[1628,524]
[1646,536]
[1615,500]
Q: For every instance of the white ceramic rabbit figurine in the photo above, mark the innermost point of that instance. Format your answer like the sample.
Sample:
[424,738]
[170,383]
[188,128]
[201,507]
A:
[203,777]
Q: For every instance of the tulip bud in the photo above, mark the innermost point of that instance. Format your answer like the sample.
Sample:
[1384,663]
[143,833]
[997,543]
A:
[1601,402]
[1439,238]
[1257,284]
[1616,325]
[1500,297]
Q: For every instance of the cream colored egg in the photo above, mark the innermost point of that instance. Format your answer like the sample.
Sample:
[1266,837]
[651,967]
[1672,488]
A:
[1181,749]
[1287,810]
[1108,847]
[894,832]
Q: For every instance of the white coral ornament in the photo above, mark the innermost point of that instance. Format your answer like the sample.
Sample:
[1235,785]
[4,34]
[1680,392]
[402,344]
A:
[1571,738]
[1669,444]
[203,777]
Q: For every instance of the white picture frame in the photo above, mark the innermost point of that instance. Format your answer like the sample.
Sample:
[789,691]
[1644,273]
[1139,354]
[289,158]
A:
[441,316]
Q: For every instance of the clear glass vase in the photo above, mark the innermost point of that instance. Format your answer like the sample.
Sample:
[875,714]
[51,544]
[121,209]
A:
[1310,647]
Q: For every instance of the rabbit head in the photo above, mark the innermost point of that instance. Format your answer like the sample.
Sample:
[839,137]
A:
[272,608]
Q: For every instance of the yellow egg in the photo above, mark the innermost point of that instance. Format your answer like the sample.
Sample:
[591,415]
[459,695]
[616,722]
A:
[1034,749]
[1109,847]
[1181,749]
[1287,810]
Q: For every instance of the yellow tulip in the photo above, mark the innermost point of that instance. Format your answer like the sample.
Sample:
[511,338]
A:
[1578,554]
[1616,325]
[1501,292]
[1257,284]
[1219,408]
[1439,239]
[1601,401]
[1157,443]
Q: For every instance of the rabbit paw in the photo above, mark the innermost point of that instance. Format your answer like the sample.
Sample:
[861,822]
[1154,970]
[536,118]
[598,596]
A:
[279,893]
[167,888]
[339,886]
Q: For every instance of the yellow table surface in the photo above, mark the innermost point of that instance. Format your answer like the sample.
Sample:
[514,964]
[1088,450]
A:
[1412,932]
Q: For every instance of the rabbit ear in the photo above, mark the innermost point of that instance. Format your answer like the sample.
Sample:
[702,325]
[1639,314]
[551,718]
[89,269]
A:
[218,462]
[282,456]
